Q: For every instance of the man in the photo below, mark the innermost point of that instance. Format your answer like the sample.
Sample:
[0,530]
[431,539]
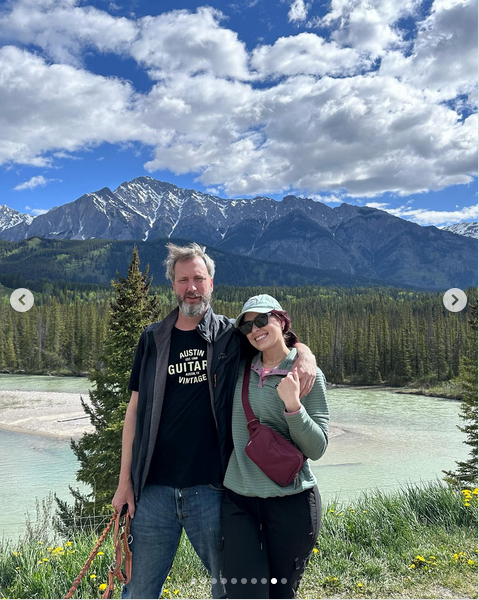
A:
[177,432]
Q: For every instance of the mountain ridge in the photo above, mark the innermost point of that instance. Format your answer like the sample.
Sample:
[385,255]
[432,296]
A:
[360,241]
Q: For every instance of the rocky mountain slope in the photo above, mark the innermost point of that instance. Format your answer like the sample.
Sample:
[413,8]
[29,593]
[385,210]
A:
[466,229]
[355,240]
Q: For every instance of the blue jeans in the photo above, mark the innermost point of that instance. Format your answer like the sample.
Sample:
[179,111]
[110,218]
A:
[160,517]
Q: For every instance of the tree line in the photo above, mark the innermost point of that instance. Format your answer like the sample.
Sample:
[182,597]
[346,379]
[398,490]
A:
[359,335]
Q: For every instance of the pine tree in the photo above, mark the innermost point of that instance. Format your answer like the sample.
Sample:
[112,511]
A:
[99,452]
[466,472]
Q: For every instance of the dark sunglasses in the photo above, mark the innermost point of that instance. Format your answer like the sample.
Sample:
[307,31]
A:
[260,321]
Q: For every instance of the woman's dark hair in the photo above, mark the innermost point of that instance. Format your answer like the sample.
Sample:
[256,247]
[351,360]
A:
[290,338]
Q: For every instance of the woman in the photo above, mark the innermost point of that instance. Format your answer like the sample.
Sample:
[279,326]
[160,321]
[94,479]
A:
[269,531]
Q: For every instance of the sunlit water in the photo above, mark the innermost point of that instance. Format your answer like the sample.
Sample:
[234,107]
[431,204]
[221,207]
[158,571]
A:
[390,439]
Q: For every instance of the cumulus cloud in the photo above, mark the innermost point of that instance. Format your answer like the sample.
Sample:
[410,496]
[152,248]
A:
[367,25]
[62,28]
[326,199]
[186,42]
[306,54]
[444,54]
[59,108]
[426,217]
[177,40]
[33,182]
[298,11]
[303,113]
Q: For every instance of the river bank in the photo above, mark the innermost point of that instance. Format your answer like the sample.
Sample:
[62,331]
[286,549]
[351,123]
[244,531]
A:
[420,542]
[57,415]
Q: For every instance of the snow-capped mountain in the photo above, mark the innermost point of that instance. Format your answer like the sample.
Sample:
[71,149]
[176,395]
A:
[358,240]
[10,217]
[466,229]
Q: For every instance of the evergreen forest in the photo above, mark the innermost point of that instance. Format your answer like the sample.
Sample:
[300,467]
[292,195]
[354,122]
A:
[363,335]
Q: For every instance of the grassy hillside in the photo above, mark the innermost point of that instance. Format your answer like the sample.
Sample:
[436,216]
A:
[415,543]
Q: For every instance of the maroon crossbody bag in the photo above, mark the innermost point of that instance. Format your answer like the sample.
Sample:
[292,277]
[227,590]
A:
[280,460]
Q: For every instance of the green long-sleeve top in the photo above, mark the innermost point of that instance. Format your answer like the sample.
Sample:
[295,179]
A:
[307,429]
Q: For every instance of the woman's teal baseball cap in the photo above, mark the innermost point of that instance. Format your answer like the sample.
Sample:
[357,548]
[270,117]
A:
[263,303]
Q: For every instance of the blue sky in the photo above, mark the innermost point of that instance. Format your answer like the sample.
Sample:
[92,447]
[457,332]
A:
[370,102]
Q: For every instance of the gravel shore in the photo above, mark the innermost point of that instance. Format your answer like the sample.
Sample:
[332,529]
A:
[58,415]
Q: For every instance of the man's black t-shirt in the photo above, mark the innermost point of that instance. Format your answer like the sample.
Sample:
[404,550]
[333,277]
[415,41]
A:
[186,450]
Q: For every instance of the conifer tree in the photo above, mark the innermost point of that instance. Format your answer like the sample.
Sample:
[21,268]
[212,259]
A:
[466,472]
[99,452]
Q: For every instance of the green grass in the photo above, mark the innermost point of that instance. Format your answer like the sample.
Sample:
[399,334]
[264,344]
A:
[365,550]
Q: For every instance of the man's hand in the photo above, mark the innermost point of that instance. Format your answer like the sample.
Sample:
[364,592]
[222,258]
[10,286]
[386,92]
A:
[124,495]
[306,364]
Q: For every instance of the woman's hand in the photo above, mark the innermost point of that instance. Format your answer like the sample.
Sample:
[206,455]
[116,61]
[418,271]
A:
[288,391]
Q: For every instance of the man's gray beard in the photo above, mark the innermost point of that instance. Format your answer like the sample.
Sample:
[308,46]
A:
[194,310]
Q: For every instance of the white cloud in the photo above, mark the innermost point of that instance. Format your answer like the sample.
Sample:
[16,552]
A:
[426,217]
[366,25]
[33,182]
[326,199]
[306,54]
[444,55]
[378,205]
[59,108]
[36,211]
[174,41]
[61,28]
[298,11]
[186,42]
[213,191]
[321,119]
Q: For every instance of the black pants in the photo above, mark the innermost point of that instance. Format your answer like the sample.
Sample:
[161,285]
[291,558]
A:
[267,543]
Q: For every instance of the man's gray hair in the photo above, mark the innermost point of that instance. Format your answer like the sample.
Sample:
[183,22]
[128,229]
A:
[184,253]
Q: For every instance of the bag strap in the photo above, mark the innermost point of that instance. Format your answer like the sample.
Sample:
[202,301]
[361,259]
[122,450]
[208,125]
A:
[244,395]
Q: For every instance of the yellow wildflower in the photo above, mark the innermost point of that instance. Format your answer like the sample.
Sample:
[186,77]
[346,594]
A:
[40,543]
[69,544]
[315,550]
[176,592]
[93,576]
[474,491]
[168,577]
[99,553]
[102,587]
[360,584]
[413,566]
[331,510]
[45,560]
[15,554]
[466,504]
[470,562]
[432,557]
[165,591]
